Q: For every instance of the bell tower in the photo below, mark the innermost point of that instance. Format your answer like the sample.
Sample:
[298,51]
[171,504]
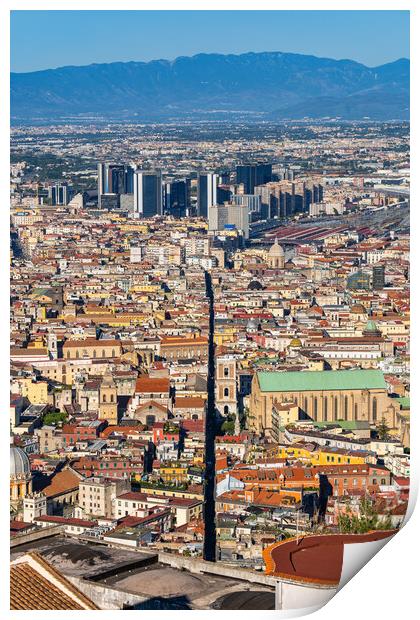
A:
[108,401]
[226,387]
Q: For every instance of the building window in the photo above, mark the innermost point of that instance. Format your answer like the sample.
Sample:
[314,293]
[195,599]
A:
[315,412]
[336,408]
[325,408]
[346,405]
[374,408]
[305,404]
[226,372]
[226,392]
[355,411]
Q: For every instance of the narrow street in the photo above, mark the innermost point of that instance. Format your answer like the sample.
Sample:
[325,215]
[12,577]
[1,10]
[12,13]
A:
[209,551]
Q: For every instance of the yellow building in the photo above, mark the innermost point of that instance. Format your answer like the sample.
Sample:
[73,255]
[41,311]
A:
[158,490]
[108,402]
[321,456]
[224,334]
[35,391]
[91,348]
[173,472]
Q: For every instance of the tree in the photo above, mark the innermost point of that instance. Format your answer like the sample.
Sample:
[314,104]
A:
[228,427]
[383,429]
[53,418]
[367,520]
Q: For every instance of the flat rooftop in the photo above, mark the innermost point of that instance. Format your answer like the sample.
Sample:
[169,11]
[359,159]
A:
[76,558]
[141,573]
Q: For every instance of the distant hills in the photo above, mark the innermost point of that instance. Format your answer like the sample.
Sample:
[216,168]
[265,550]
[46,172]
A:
[266,86]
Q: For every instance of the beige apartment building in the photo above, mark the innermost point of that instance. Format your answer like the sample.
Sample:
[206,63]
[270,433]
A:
[96,495]
[91,348]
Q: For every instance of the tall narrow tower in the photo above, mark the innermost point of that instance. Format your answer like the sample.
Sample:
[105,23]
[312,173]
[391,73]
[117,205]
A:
[226,388]
[108,401]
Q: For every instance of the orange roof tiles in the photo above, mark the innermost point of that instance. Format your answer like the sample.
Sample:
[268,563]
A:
[35,584]
[152,385]
[61,482]
[185,402]
[90,342]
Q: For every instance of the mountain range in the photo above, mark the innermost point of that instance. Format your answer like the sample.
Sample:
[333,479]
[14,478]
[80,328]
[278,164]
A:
[266,86]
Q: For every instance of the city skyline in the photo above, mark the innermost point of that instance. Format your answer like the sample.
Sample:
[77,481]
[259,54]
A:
[322,34]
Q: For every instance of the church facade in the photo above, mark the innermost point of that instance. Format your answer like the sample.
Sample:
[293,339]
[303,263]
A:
[323,396]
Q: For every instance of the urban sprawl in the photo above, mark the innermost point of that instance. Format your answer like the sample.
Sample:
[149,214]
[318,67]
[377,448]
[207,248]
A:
[209,354]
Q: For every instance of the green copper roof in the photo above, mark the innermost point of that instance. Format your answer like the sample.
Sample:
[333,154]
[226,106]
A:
[347,425]
[404,402]
[307,380]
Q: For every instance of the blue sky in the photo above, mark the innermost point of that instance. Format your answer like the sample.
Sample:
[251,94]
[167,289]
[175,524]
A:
[49,39]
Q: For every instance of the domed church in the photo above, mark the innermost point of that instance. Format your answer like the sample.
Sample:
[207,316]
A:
[275,256]
[20,475]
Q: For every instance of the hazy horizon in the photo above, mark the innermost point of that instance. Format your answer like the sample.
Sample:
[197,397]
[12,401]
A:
[170,60]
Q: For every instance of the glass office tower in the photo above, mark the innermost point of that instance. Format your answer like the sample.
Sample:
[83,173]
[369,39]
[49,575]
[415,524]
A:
[206,192]
[147,193]
[252,175]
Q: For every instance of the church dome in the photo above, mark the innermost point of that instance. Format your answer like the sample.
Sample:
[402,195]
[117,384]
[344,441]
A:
[358,309]
[255,285]
[371,328]
[295,342]
[19,462]
[276,249]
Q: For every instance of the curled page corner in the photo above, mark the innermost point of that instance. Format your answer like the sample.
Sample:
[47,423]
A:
[357,555]
[311,570]
[412,500]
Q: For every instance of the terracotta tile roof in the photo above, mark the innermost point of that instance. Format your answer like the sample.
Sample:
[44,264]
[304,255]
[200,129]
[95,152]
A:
[192,402]
[193,426]
[61,482]
[35,584]
[148,384]
[151,404]
[91,342]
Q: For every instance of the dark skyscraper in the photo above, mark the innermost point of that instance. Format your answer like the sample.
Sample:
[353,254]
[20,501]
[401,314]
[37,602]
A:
[206,192]
[147,193]
[114,179]
[59,194]
[177,197]
[252,175]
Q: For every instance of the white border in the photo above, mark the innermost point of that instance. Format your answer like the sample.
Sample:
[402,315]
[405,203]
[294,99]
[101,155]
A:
[386,586]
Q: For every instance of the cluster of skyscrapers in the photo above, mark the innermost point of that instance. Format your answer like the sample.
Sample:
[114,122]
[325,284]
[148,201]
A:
[59,194]
[251,193]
